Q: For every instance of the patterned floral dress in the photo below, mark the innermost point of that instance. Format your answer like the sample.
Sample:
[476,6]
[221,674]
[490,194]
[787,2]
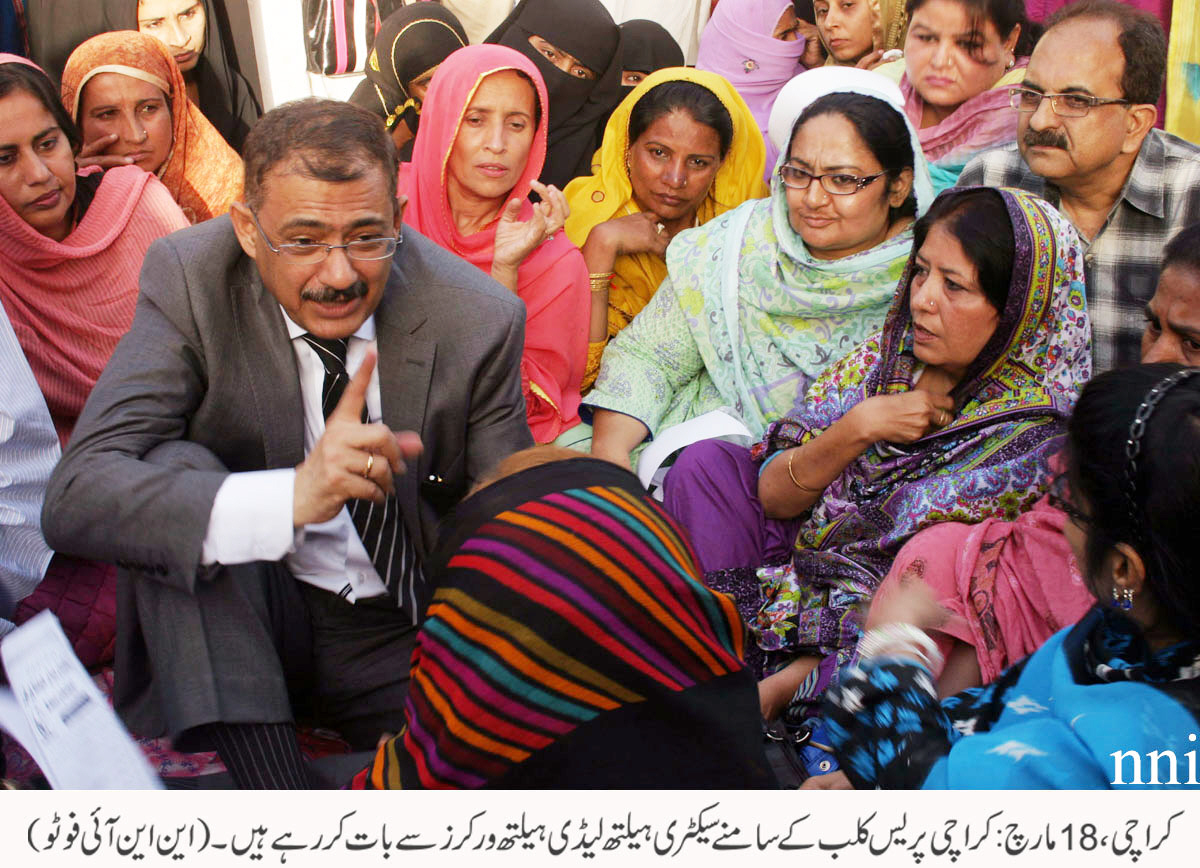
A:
[991,460]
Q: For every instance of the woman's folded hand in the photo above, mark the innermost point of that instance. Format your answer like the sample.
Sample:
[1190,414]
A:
[902,418]
[636,233]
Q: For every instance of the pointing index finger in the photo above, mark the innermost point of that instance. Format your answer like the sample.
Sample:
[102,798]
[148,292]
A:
[354,399]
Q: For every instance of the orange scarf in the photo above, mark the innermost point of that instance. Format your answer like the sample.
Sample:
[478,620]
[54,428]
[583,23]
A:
[202,172]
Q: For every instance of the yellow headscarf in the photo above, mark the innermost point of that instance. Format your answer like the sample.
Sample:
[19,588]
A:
[1183,72]
[607,192]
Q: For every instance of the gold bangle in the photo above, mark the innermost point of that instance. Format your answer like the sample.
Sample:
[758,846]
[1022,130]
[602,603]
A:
[796,482]
[600,281]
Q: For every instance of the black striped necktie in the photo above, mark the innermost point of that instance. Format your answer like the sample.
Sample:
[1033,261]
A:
[378,525]
[332,353]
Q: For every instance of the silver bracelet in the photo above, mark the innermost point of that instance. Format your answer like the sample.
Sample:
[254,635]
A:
[904,637]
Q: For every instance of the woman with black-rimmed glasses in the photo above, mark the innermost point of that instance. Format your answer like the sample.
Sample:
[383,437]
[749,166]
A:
[759,300]
[950,413]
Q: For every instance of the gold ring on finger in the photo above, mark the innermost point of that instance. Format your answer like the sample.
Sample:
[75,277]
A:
[370,463]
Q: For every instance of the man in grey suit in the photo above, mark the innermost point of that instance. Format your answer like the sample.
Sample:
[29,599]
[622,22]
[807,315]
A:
[269,491]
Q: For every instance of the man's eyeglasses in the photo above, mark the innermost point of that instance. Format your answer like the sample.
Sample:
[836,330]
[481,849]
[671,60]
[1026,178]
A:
[1065,105]
[1059,498]
[311,253]
[836,183]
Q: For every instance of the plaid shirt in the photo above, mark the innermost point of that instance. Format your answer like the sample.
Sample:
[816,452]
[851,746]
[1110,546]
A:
[1121,264]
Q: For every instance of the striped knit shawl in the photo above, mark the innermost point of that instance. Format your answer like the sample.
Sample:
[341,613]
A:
[571,643]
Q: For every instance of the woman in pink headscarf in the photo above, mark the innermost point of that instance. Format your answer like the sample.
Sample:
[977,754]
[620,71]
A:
[759,45]
[72,243]
[477,155]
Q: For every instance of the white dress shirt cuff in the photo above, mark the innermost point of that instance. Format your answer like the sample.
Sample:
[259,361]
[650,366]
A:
[251,519]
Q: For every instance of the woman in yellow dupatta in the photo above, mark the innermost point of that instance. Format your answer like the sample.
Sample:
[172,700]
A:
[668,162]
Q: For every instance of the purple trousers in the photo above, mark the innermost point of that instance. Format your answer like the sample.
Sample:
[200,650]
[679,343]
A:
[712,490]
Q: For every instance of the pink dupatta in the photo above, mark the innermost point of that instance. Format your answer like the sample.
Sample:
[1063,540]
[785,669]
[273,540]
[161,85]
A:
[982,122]
[1010,585]
[553,279]
[70,301]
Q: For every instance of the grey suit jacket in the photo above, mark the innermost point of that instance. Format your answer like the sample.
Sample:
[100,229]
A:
[208,361]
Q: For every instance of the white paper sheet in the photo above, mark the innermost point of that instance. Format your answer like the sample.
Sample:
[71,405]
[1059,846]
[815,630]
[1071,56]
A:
[71,732]
[716,424]
[12,720]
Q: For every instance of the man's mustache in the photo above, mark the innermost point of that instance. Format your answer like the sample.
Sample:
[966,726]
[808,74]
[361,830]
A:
[1045,139]
[330,295]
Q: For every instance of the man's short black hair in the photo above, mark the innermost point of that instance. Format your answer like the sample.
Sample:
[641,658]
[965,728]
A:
[1184,249]
[1141,39]
[328,140]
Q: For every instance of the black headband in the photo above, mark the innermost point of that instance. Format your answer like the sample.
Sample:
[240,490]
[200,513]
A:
[1137,430]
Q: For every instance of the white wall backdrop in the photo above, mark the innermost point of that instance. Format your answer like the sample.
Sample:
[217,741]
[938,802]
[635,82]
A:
[278,28]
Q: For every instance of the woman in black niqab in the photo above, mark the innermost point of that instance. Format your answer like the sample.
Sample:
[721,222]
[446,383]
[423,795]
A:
[411,43]
[646,47]
[579,107]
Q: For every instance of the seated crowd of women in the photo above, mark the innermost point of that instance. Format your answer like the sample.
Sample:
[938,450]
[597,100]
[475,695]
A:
[932,492]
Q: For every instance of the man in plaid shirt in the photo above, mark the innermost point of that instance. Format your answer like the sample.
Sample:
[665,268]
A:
[1086,142]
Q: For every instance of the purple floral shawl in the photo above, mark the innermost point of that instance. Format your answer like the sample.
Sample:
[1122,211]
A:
[991,460]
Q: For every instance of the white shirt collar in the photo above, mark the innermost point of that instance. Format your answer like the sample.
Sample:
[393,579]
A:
[365,332]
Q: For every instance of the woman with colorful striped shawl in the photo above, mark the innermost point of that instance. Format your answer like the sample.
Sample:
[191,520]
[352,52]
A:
[571,644]
[981,449]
